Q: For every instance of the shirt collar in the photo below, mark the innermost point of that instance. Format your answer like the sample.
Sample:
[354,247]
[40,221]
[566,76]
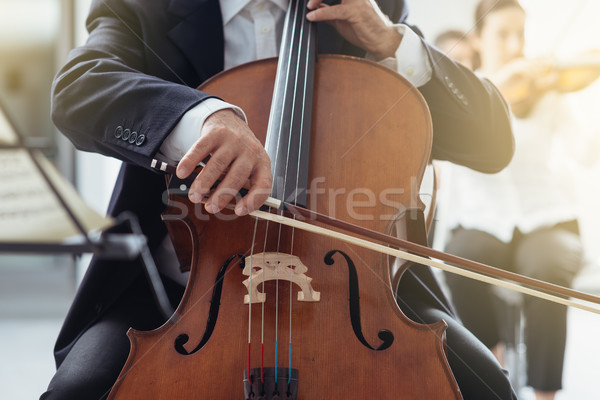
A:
[283,4]
[230,8]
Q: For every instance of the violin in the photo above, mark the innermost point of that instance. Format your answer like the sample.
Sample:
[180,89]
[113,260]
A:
[577,73]
[524,81]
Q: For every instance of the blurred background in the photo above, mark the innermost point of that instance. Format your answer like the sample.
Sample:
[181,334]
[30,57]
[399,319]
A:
[35,291]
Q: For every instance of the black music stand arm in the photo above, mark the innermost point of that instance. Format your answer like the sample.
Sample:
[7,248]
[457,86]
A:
[139,246]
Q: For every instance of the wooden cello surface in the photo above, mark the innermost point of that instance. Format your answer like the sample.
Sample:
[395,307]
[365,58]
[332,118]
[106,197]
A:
[329,302]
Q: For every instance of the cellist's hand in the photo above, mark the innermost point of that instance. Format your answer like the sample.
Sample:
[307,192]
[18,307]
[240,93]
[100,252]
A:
[361,22]
[237,158]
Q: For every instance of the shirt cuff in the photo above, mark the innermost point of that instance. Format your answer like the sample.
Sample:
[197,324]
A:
[411,59]
[189,128]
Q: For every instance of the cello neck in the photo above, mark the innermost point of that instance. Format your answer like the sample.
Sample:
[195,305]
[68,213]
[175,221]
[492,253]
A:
[288,133]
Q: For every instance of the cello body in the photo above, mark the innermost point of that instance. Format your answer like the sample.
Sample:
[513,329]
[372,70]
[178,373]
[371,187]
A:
[271,312]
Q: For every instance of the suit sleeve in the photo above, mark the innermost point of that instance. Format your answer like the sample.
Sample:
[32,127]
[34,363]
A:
[109,98]
[471,120]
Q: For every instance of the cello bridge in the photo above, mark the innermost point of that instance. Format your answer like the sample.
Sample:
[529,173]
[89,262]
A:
[262,267]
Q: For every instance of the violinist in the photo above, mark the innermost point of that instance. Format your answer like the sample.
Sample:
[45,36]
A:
[129,93]
[525,217]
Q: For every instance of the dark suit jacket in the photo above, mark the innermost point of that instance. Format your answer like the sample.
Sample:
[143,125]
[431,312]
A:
[123,92]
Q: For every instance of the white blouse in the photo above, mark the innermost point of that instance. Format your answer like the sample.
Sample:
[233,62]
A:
[535,190]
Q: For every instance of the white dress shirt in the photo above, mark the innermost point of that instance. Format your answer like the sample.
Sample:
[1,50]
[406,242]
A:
[252,30]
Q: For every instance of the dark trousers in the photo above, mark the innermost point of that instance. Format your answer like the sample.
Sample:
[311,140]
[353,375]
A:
[94,363]
[552,255]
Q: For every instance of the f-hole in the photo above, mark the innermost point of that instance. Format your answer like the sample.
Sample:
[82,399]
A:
[386,336]
[215,302]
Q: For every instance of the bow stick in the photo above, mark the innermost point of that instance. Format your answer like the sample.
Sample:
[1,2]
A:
[416,253]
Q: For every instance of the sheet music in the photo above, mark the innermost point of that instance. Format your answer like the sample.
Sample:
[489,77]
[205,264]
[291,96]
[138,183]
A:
[7,134]
[29,210]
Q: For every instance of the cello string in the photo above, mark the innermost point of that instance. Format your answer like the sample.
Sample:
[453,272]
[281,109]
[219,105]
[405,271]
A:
[300,81]
[303,43]
[262,320]
[250,301]
[295,44]
[290,33]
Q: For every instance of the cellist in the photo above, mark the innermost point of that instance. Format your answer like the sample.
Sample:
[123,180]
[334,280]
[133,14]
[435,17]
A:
[129,93]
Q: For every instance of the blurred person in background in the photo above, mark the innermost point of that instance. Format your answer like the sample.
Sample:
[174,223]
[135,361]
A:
[524,218]
[456,44]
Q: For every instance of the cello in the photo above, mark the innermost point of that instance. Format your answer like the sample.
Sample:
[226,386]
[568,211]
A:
[274,312]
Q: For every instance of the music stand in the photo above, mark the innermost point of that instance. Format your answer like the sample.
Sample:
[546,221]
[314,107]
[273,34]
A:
[69,225]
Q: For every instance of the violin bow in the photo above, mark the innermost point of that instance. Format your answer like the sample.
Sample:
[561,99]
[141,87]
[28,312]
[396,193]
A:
[419,254]
[415,252]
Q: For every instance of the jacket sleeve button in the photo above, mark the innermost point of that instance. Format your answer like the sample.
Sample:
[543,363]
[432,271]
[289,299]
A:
[133,137]
[126,134]
[140,139]
[119,132]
